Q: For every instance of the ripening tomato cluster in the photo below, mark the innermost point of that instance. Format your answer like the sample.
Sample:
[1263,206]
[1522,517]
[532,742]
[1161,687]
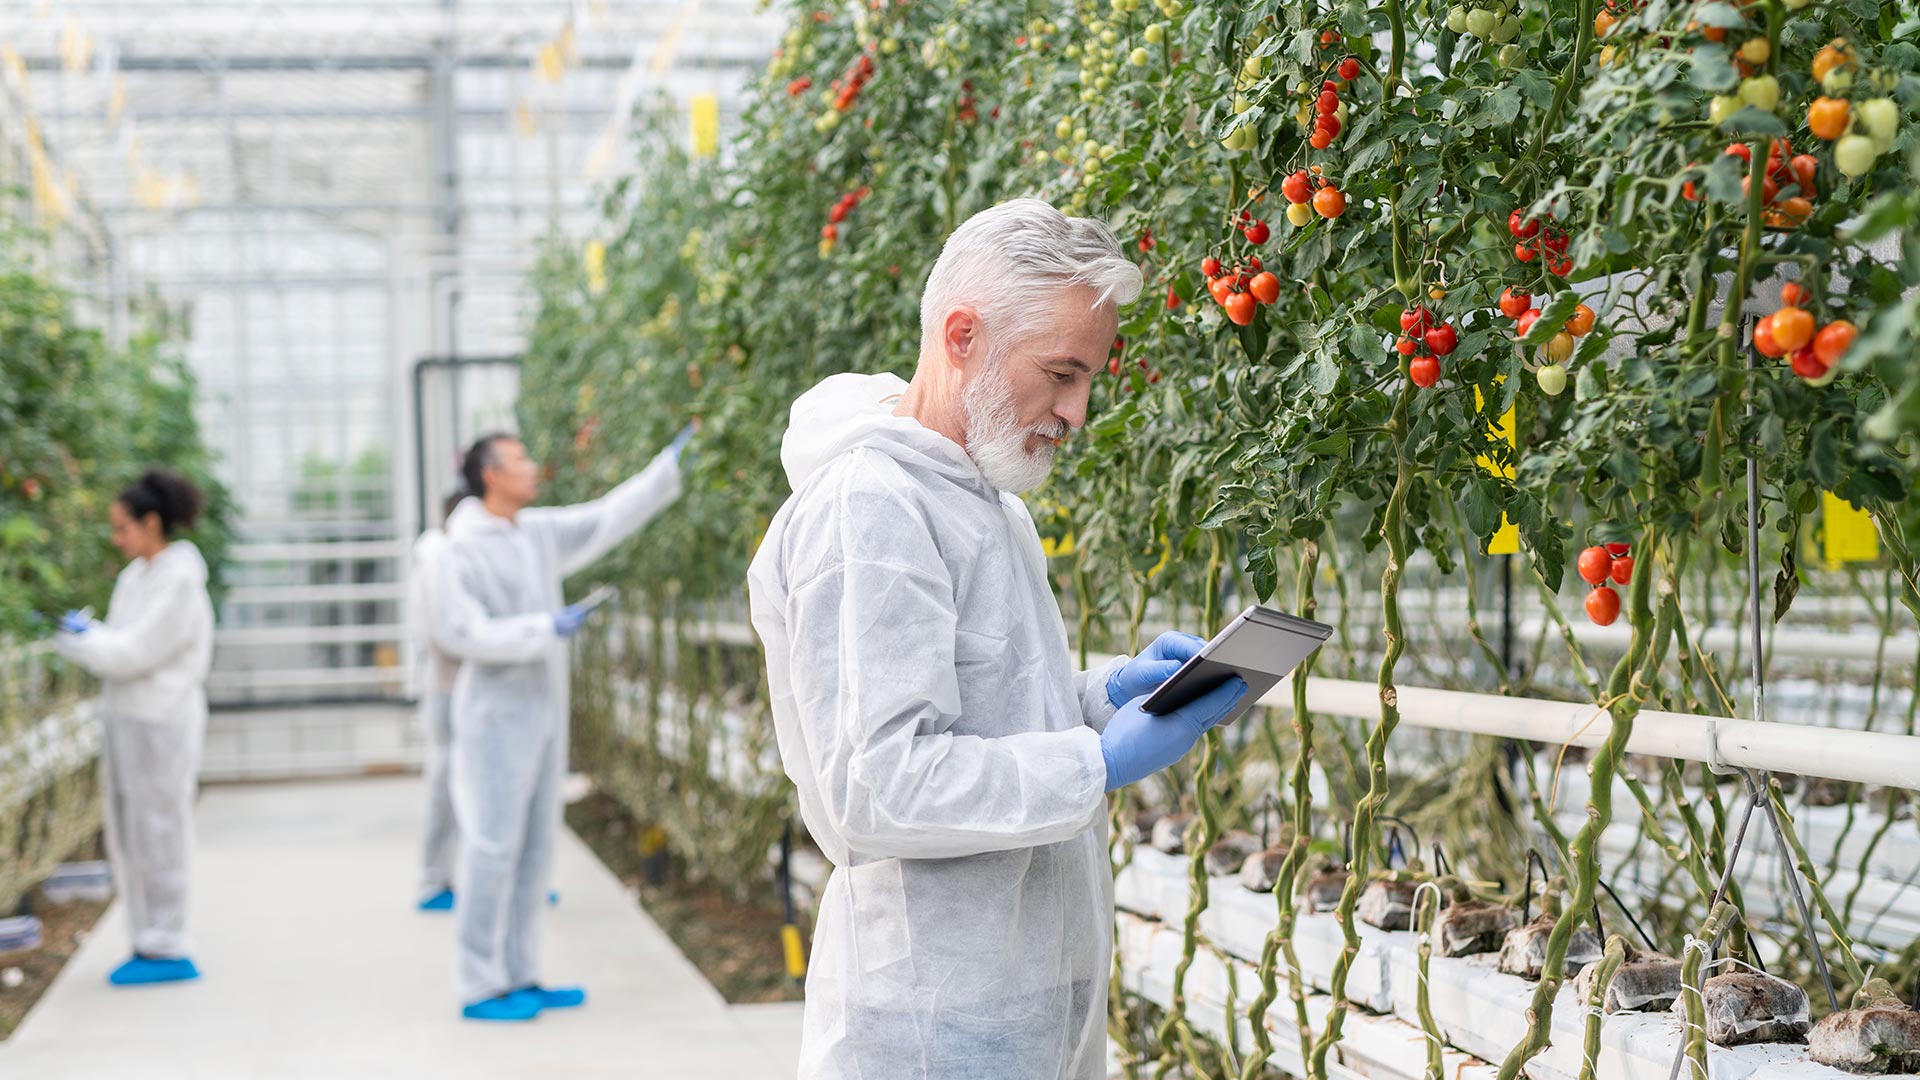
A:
[967,114]
[1424,339]
[1309,193]
[1517,304]
[1790,332]
[848,86]
[1860,130]
[830,232]
[1254,229]
[1326,106]
[1598,565]
[1116,362]
[1551,239]
[800,86]
[1240,290]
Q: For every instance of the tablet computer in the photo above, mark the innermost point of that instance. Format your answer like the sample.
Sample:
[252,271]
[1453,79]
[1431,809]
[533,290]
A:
[1261,645]
[595,598]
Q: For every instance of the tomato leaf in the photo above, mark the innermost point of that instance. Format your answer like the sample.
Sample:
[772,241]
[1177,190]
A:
[1553,318]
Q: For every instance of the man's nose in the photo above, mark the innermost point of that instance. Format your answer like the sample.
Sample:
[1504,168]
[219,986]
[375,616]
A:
[1074,410]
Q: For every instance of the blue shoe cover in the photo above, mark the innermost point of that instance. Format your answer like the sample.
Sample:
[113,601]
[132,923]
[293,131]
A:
[440,901]
[517,1006]
[560,997]
[144,971]
[553,899]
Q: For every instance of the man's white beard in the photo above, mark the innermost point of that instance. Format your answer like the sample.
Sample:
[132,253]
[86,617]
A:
[996,439]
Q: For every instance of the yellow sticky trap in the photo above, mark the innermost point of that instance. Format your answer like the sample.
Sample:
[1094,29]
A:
[1506,539]
[704,113]
[596,264]
[1848,533]
[1053,548]
[796,952]
[652,841]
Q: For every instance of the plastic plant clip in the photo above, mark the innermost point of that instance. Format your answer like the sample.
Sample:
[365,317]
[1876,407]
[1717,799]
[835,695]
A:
[1230,852]
[1745,1007]
[1387,903]
[1648,983]
[1261,872]
[1880,1034]
[1170,833]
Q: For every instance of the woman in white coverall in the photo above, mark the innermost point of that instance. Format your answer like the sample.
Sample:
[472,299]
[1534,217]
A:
[152,653]
[497,609]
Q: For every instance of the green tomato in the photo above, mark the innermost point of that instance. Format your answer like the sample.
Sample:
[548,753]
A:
[1511,56]
[1508,29]
[1108,37]
[1881,118]
[1854,154]
[1253,67]
[1241,104]
[1063,130]
[1156,33]
[1722,108]
[1762,92]
[1480,23]
[1838,80]
[1552,379]
[1795,5]
[1457,19]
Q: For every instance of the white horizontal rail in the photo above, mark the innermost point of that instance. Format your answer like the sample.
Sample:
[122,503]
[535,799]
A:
[1865,757]
[280,679]
[266,595]
[319,551]
[311,635]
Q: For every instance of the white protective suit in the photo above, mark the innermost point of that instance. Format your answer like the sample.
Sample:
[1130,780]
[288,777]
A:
[152,654]
[495,593]
[947,756]
[437,672]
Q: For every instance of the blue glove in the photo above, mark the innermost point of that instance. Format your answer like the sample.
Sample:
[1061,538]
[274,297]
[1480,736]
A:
[75,622]
[568,620]
[678,447]
[1137,744]
[1144,673]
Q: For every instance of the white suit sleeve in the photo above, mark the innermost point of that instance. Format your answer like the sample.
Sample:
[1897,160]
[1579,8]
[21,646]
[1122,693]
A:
[584,532]
[138,648]
[463,629]
[877,694]
[1090,686]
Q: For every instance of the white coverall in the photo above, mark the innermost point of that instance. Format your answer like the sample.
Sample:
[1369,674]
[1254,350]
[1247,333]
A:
[152,654]
[437,671]
[496,590]
[947,757]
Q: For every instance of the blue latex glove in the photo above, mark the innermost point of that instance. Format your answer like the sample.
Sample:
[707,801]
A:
[1137,744]
[678,447]
[1156,664]
[568,620]
[75,622]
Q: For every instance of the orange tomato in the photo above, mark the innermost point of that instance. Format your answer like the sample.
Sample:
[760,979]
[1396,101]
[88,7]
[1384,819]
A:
[1793,294]
[1330,202]
[1265,287]
[1792,328]
[1832,55]
[1582,322]
[1603,23]
[1714,33]
[1833,341]
[1827,117]
[1804,167]
[1790,212]
[1763,341]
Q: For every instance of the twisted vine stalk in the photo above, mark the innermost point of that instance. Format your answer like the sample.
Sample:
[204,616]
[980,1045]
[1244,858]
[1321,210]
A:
[1609,966]
[1428,903]
[1693,966]
[1280,939]
[1632,682]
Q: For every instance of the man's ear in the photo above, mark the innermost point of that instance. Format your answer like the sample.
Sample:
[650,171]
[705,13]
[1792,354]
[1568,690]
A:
[960,336]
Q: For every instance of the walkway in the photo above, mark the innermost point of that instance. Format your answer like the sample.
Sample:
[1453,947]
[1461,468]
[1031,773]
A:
[317,967]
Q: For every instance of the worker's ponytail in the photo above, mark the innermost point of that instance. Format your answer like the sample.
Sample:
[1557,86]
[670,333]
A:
[166,493]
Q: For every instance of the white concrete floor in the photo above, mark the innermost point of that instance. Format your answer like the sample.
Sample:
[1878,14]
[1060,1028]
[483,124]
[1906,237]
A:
[316,965]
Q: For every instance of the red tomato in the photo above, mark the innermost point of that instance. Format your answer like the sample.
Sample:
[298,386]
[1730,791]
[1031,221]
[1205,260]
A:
[1617,549]
[1522,226]
[1526,321]
[1793,294]
[1210,266]
[1594,565]
[1327,103]
[1524,252]
[1221,288]
[1603,605]
[1424,371]
[1442,339]
[1560,267]
[1622,569]
[1513,303]
[1240,308]
[1807,363]
[1406,346]
[1763,338]
[1349,69]
[1264,287]
[1296,187]
[1414,319]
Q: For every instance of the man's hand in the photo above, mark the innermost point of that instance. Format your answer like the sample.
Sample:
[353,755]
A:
[568,620]
[1156,664]
[1137,744]
[75,622]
